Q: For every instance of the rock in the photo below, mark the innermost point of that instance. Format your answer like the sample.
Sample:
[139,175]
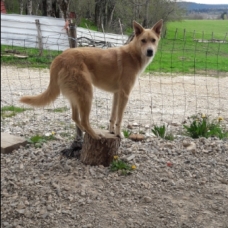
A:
[191,147]
[147,199]
[129,126]
[186,143]
[49,208]
[130,157]
[135,124]
[137,137]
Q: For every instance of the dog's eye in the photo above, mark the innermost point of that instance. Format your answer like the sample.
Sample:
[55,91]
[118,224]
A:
[143,41]
[153,40]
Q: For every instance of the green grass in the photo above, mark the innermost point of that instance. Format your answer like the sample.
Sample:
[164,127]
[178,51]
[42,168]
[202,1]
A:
[179,53]
[61,109]
[118,164]
[84,23]
[10,111]
[161,131]
[201,27]
[39,140]
[33,59]
[126,133]
[201,126]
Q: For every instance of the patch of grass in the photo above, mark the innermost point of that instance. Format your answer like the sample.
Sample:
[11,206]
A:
[201,126]
[124,167]
[85,23]
[61,109]
[206,27]
[126,133]
[33,59]
[10,111]
[39,140]
[179,52]
[161,131]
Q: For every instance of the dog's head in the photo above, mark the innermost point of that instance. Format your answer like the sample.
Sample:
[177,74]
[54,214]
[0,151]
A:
[146,40]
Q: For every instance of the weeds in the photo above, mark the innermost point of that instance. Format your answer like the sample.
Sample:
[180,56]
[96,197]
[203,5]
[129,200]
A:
[61,109]
[39,140]
[126,133]
[124,167]
[162,132]
[10,111]
[201,126]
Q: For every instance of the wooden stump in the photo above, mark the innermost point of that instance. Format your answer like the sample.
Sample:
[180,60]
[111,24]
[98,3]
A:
[99,152]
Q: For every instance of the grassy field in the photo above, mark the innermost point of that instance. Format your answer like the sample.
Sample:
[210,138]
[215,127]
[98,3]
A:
[179,51]
[205,28]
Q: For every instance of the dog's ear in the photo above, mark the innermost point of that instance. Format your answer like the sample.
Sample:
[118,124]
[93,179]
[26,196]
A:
[137,28]
[158,27]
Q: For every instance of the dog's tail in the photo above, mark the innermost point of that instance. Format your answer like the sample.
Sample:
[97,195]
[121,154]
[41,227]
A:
[45,98]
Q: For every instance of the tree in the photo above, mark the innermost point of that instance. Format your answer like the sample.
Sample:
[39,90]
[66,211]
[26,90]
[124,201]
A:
[29,7]
[104,11]
[21,6]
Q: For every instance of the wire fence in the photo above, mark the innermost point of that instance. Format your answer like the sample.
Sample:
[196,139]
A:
[189,75]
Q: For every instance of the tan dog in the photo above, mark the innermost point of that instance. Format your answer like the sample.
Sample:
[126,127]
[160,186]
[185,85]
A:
[115,70]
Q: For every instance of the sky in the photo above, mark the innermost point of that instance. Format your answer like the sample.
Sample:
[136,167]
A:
[208,1]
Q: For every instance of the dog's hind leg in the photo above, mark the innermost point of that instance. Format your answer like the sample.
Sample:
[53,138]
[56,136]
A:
[76,119]
[113,114]
[82,99]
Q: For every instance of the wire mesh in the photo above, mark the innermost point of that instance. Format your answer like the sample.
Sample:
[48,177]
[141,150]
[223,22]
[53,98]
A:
[187,76]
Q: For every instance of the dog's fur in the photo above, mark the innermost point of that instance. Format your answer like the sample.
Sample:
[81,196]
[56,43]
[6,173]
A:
[114,70]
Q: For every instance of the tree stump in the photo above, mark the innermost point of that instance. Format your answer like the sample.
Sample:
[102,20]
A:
[99,152]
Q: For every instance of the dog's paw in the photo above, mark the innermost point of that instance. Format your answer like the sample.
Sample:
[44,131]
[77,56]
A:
[111,129]
[120,135]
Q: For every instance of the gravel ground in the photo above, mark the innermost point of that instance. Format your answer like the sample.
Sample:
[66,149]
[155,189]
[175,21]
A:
[40,188]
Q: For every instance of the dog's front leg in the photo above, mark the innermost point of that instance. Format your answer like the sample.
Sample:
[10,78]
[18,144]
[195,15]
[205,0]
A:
[122,102]
[113,114]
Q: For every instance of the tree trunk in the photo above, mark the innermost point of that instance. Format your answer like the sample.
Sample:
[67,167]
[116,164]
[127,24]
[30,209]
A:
[29,7]
[21,6]
[64,8]
[49,8]
[99,152]
[111,13]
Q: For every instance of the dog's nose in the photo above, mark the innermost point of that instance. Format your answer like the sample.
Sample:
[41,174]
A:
[149,52]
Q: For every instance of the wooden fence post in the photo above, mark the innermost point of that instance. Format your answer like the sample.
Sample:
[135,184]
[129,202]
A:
[72,34]
[39,35]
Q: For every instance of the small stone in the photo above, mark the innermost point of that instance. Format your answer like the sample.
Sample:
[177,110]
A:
[21,211]
[186,143]
[112,194]
[147,199]
[49,208]
[180,182]
[191,147]
[137,137]
[83,193]
[129,126]
[135,124]
[130,157]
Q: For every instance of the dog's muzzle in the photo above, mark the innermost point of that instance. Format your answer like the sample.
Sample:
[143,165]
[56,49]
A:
[149,52]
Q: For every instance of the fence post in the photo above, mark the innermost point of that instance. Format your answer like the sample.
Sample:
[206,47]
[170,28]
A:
[39,35]
[72,34]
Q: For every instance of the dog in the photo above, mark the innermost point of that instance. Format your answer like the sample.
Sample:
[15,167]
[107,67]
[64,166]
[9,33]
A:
[75,71]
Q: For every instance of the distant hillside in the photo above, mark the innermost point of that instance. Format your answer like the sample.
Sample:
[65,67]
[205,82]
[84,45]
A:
[191,6]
